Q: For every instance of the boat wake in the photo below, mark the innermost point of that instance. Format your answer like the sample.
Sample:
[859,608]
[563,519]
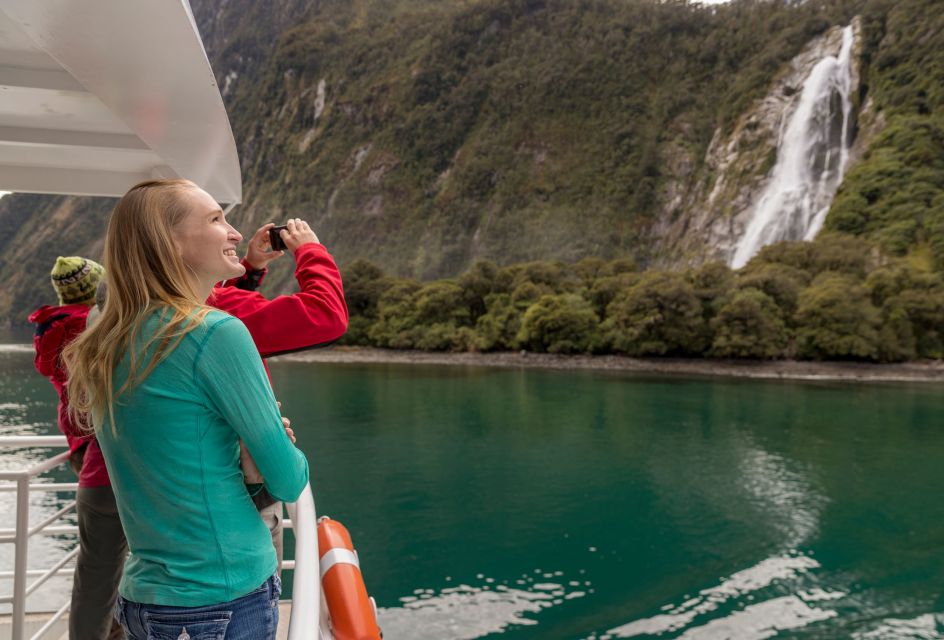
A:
[925,627]
[466,612]
[753,621]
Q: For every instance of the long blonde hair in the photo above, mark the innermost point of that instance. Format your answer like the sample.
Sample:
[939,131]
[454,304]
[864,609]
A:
[145,273]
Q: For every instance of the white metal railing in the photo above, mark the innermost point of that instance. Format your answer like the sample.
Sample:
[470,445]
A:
[305,620]
[304,624]
[22,532]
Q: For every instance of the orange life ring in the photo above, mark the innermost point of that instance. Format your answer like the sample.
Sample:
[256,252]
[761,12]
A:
[352,611]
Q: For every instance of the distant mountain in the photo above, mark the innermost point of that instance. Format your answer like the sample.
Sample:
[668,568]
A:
[425,135]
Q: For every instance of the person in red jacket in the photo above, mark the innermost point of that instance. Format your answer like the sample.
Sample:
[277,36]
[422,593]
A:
[75,281]
[314,316]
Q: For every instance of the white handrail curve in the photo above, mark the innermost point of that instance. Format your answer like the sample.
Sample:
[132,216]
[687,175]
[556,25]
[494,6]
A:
[32,441]
[306,584]
[22,532]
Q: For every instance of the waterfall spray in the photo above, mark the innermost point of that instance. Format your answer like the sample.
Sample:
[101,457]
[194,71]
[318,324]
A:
[811,158]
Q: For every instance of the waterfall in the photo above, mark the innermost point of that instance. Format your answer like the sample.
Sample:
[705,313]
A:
[811,157]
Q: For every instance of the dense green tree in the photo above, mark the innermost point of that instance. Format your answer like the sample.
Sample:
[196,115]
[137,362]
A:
[606,288]
[896,276]
[527,292]
[713,283]
[441,301]
[590,269]
[619,266]
[925,311]
[797,255]
[837,252]
[836,320]
[907,294]
[441,336]
[497,330]
[749,325]
[429,317]
[769,309]
[896,336]
[396,316]
[842,253]
[563,323]
[782,283]
[895,194]
[358,331]
[364,283]
[552,276]
[479,281]
[660,315]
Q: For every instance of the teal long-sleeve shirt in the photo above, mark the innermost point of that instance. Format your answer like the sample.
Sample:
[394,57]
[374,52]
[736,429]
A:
[194,535]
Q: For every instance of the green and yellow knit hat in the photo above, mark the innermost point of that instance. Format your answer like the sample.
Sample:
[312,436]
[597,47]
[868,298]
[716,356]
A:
[75,279]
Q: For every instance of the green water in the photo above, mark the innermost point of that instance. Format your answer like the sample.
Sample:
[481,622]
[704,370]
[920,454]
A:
[571,505]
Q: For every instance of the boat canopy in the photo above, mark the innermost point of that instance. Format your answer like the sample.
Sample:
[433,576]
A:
[97,95]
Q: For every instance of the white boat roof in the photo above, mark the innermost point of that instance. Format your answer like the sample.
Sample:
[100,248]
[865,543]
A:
[97,95]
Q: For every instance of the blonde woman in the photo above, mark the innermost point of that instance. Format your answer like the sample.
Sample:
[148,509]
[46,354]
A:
[171,387]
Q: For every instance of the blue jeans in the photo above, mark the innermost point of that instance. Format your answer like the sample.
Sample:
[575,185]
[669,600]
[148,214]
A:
[254,616]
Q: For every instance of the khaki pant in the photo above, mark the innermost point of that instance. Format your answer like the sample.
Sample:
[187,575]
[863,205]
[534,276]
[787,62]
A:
[272,516]
[102,551]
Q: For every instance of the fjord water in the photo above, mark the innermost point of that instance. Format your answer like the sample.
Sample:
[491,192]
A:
[526,504]
[534,504]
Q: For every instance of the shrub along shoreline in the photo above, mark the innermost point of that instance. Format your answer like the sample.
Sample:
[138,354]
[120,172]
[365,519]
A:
[836,298]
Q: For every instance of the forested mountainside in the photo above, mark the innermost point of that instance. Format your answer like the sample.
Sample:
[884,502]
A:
[428,135]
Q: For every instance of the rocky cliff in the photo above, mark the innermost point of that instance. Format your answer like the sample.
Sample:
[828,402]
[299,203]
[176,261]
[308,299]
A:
[705,213]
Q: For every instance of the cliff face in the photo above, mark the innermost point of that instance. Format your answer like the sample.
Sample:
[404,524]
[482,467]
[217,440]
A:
[425,135]
[705,213]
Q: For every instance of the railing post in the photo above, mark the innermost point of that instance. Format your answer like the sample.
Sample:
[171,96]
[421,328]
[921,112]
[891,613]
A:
[21,557]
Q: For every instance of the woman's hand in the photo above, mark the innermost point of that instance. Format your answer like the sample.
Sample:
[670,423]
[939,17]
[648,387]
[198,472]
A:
[297,233]
[259,251]
[286,423]
[288,430]
[251,473]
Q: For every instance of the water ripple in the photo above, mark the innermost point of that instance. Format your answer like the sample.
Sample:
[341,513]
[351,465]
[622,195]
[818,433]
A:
[926,627]
[779,613]
[466,612]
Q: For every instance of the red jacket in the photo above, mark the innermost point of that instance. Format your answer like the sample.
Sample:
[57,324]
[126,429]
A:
[316,315]
[56,327]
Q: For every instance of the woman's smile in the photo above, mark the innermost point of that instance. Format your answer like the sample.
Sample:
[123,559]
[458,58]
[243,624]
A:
[206,227]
